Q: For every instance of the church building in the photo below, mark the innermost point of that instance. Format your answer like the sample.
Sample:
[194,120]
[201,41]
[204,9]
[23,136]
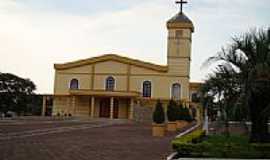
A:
[110,85]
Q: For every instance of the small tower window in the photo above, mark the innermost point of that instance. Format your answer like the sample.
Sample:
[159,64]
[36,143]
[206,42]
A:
[74,84]
[176,91]
[147,89]
[110,83]
[178,33]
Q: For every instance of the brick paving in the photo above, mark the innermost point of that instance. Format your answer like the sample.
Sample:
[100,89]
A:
[96,139]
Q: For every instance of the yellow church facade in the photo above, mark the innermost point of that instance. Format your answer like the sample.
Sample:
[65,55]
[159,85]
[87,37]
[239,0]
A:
[110,85]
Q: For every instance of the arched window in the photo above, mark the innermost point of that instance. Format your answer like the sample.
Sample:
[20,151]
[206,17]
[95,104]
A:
[146,89]
[176,91]
[74,84]
[110,83]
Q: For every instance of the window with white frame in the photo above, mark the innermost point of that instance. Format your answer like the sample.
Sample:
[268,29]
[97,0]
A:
[110,83]
[74,84]
[147,89]
[176,91]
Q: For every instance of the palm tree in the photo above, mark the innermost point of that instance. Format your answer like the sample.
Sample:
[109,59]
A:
[246,63]
[222,86]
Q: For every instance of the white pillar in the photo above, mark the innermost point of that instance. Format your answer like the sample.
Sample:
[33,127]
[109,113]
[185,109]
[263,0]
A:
[131,109]
[92,106]
[205,125]
[111,108]
[74,105]
[43,105]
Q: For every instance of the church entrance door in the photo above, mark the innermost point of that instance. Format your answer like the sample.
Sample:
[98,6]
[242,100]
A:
[115,108]
[104,108]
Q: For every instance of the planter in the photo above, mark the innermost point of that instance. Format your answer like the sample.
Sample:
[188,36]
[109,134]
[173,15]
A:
[171,126]
[158,130]
[181,124]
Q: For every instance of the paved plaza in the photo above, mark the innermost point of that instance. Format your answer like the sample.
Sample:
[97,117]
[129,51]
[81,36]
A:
[80,139]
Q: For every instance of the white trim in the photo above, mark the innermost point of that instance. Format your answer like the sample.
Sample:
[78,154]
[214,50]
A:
[69,83]
[152,88]
[180,89]
[105,82]
[170,157]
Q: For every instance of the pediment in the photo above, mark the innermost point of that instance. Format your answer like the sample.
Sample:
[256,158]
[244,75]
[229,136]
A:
[113,58]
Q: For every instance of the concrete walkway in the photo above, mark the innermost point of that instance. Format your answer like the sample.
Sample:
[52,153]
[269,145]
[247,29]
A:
[98,139]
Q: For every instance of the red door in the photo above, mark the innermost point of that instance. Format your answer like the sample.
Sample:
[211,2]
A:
[115,108]
[104,108]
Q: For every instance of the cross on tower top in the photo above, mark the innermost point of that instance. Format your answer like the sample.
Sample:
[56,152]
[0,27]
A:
[181,2]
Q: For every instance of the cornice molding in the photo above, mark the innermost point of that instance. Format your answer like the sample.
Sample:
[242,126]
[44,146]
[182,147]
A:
[112,57]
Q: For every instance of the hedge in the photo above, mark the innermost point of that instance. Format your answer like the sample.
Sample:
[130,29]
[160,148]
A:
[158,114]
[194,137]
[223,151]
[191,146]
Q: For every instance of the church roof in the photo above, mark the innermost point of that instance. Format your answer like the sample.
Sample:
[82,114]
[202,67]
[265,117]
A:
[179,17]
[112,57]
[180,20]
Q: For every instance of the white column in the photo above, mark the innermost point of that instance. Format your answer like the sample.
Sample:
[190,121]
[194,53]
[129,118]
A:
[74,105]
[92,106]
[131,109]
[43,105]
[111,108]
[205,125]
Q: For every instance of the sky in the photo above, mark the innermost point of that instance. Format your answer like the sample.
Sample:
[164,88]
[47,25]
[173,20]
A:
[35,34]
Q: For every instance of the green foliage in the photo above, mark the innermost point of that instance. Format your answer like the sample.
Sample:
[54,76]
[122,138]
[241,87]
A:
[187,116]
[242,80]
[172,111]
[182,113]
[195,136]
[34,106]
[159,115]
[221,146]
[15,93]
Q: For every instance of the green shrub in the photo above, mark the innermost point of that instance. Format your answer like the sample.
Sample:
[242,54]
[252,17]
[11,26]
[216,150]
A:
[186,115]
[194,136]
[158,114]
[263,149]
[172,111]
[180,112]
[219,146]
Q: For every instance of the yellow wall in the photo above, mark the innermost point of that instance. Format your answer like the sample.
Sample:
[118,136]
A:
[62,81]
[62,105]
[161,82]
[120,82]
[81,69]
[179,51]
[110,67]
[123,109]
[82,106]
[142,71]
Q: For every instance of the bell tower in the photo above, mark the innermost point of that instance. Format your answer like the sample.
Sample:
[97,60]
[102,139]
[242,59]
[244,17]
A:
[180,29]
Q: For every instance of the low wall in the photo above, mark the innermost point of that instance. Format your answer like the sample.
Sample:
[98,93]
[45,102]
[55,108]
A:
[142,114]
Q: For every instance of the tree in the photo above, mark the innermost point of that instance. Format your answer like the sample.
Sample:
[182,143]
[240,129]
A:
[186,113]
[172,111]
[180,112]
[245,66]
[223,86]
[15,93]
[159,115]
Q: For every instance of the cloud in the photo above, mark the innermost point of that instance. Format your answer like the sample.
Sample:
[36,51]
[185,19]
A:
[33,37]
